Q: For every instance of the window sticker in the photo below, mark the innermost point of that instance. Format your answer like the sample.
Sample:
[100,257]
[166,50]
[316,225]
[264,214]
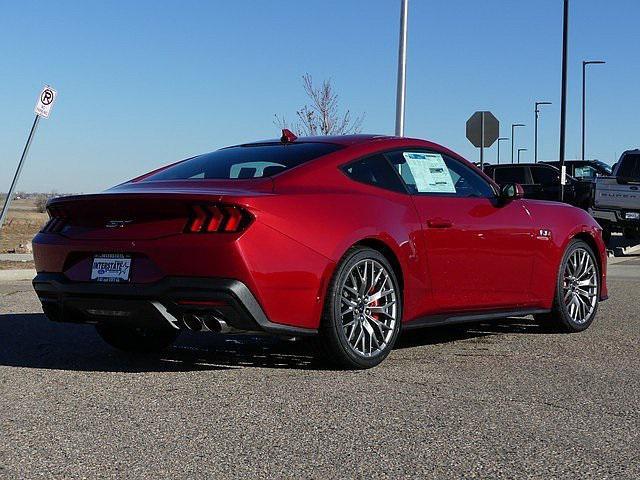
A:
[430,172]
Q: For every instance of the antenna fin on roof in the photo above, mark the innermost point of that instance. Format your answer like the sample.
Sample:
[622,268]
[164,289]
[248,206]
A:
[288,136]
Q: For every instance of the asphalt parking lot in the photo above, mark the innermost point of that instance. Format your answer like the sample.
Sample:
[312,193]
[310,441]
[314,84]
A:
[482,401]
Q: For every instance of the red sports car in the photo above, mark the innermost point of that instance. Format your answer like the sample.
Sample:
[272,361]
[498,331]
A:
[350,239]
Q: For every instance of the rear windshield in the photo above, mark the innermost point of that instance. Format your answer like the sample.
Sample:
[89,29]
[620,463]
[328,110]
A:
[245,161]
[629,167]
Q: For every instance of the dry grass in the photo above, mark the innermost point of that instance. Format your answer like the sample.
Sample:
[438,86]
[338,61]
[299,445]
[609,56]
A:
[17,265]
[22,223]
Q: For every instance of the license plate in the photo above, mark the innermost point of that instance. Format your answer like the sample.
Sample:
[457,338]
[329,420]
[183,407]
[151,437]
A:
[111,267]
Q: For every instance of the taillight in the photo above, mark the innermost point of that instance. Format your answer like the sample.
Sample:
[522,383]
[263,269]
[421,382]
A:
[57,220]
[217,218]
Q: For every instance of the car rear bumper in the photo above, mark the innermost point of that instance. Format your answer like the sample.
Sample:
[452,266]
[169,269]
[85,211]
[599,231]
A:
[163,303]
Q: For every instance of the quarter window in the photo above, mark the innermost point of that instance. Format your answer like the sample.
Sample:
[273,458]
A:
[376,171]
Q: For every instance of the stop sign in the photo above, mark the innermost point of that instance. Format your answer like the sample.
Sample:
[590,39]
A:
[491,129]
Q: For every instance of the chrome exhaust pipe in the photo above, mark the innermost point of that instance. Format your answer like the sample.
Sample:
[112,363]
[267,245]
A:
[192,323]
[216,324]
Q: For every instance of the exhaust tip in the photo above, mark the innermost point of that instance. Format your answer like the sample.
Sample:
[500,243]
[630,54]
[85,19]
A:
[192,323]
[216,324]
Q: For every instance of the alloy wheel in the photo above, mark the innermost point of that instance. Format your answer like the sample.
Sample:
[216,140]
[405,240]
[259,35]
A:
[580,286]
[368,307]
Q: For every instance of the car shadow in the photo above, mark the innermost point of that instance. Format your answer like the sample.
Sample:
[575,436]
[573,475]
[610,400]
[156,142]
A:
[32,341]
[450,333]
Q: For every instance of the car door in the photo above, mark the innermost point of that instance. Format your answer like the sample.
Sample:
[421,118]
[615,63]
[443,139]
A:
[479,251]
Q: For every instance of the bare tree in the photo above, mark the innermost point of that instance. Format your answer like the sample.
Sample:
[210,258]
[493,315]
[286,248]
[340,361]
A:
[323,116]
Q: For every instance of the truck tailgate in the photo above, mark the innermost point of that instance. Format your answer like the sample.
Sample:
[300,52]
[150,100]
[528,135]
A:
[611,194]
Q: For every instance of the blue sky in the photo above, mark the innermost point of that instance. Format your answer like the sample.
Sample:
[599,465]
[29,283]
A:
[145,83]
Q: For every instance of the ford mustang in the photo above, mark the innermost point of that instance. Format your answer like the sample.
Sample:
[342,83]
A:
[348,239]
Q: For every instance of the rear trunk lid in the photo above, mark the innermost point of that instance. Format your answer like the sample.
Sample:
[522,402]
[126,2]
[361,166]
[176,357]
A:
[144,210]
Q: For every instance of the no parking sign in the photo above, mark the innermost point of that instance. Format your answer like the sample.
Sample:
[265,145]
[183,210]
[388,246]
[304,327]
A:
[45,101]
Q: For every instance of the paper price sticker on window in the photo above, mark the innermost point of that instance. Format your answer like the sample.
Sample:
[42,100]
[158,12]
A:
[430,172]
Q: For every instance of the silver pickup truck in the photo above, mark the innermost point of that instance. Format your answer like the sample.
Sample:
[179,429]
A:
[616,199]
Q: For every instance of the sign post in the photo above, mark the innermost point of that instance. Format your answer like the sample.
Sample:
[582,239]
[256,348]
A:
[43,108]
[483,129]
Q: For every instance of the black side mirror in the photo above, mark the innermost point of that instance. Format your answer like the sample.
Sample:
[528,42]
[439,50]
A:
[511,191]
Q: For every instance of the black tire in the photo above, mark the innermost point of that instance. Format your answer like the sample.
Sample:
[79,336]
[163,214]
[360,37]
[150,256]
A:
[137,340]
[631,233]
[332,339]
[559,319]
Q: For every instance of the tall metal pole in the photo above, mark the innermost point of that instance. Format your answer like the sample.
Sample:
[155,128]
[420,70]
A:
[584,104]
[25,152]
[535,142]
[482,141]
[513,137]
[563,101]
[402,69]
[501,139]
[520,150]
[584,98]
[535,135]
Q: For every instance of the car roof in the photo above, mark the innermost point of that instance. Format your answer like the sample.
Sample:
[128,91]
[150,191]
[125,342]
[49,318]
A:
[335,139]
[359,139]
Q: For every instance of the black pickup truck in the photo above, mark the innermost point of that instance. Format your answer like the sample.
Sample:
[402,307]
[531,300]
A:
[542,182]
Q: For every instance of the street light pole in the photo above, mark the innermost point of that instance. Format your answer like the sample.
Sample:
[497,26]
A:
[402,69]
[584,97]
[535,142]
[513,137]
[521,150]
[563,102]
[501,139]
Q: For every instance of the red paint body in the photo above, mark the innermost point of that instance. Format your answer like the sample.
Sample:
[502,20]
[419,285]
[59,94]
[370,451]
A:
[454,254]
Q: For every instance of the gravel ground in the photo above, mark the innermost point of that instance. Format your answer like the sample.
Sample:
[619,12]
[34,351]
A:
[482,401]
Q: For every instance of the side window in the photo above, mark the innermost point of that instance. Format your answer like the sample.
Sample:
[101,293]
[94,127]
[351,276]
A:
[585,172]
[376,171]
[545,176]
[434,173]
[504,175]
[629,166]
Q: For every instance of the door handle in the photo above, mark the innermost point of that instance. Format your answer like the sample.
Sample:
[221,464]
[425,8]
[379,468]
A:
[439,223]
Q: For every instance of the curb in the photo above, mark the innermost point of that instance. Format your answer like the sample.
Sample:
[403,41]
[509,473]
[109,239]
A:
[17,275]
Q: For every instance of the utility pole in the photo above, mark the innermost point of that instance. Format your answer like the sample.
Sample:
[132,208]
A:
[402,69]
